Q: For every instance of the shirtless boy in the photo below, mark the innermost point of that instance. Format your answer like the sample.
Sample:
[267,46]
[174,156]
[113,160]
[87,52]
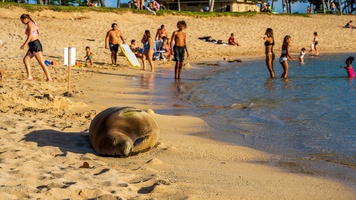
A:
[180,45]
[112,41]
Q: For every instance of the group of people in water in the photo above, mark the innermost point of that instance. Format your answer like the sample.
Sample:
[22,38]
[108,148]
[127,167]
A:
[286,56]
[270,56]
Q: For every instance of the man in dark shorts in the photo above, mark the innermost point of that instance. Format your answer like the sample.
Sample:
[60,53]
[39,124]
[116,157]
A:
[112,41]
[180,46]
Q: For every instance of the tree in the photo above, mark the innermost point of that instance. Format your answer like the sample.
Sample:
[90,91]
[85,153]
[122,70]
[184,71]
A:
[102,3]
[346,6]
[211,5]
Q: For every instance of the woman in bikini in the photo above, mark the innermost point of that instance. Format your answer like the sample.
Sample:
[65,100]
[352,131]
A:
[285,56]
[35,47]
[147,50]
[270,56]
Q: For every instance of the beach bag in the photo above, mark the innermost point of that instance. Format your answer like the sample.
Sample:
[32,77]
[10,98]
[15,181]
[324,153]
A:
[220,42]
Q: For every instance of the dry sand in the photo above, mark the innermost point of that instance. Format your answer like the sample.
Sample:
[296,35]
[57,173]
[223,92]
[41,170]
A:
[44,139]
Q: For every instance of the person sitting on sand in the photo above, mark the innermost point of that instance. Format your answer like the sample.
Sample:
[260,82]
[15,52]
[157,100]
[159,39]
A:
[349,25]
[166,48]
[155,5]
[348,67]
[133,47]
[136,50]
[232,40]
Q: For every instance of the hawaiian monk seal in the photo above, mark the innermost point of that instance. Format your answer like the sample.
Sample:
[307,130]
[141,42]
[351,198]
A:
[123,131]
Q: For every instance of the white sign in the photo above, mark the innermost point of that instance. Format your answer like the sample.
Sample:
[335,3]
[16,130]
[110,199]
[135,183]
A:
[72,56]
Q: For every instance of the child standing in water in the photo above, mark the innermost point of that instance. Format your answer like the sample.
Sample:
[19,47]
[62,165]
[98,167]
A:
[348,67]
[180,46]
[88,56]
[301,56]
[285,55]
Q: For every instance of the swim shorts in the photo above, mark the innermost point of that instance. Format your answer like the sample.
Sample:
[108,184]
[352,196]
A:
[114,47]
[178,53]
[35,46]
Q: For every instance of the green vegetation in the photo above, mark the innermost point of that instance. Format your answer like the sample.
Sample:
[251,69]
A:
[36,7]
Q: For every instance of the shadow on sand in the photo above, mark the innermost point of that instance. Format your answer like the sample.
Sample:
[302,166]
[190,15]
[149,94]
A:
[74,142]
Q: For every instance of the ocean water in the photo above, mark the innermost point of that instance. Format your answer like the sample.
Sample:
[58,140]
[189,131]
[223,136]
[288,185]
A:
[312,114]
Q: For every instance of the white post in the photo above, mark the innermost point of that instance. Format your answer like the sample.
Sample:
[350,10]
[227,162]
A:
[69,71]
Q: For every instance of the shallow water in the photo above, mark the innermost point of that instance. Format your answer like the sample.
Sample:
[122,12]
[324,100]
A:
[311,114]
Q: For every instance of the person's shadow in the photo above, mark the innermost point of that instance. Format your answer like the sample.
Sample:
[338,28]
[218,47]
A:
[74,142]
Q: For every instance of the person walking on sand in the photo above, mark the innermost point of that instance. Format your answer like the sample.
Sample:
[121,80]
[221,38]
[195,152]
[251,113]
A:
[315,44]
[285,56]
[270,56]
[88,56]
[180,45]
[147,50]
[112,42]
[35,47]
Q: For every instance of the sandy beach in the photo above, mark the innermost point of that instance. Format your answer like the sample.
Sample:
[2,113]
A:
[44,134]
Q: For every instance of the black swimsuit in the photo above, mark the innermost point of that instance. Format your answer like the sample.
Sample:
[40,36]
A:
[267,43]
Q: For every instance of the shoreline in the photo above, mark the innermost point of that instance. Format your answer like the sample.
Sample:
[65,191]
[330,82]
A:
[294,164]
[44,134]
